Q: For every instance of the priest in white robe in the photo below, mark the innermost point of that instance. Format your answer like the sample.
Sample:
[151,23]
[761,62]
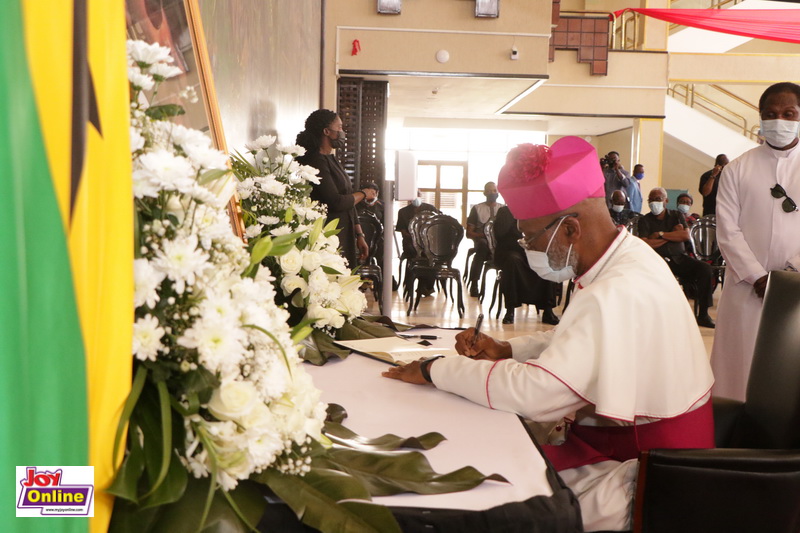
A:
[758,230]
[626,367]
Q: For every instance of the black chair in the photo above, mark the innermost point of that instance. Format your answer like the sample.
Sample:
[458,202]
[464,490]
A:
[704,236]
[632,226]
[751,481]
[370,269]
[440,237]
[489,264]
[415,226]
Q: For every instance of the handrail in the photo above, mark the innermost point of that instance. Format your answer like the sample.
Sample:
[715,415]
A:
[694,99]
[735,97]
[714,5]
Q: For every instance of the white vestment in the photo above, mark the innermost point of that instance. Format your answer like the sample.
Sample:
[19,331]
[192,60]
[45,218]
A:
[755,236]
[627,351]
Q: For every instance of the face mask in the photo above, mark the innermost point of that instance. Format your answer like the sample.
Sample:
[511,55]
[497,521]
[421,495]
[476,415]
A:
[372,202]
[540,263]
[656,208]
[416,202]
[617,208]
[684,208]
[340,141]
[779,133]
[639,175]
[491,198]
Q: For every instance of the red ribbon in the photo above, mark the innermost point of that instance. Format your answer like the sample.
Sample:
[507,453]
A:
[356,48]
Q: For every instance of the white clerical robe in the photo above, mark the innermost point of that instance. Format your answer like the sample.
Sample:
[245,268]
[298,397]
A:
[755,236]
[627,351]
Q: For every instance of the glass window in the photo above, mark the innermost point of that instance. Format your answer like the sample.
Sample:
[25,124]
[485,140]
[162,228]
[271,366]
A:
[451,177]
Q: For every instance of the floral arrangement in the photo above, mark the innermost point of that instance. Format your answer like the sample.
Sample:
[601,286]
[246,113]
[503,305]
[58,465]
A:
[221,413]
[313,277]
[206,338]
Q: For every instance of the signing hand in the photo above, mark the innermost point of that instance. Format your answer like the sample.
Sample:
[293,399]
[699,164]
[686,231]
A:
[409,373]
[484,347]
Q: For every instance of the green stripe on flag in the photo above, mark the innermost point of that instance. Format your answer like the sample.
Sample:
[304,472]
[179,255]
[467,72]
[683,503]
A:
[42,369]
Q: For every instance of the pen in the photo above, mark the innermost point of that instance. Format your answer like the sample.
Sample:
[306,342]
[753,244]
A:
[477,328]
[426,337]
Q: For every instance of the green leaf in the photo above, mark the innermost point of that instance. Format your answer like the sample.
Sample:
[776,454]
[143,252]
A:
[172,487]
[388,473]
[261,249]
[165,411]
[341,435]
[299,334]
[212,175]
[126,480]
[279,250]
[162,112]
[362,329]
[314,498]
[316,229]
[332,225]
[319,347]
[200,381]
[289,215]
[331,271]
[130,404]
[335,413]
[289,237]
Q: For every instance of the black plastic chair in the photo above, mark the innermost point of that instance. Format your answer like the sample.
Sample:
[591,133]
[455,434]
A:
[489,264]
[370,269]
[415,226]
[440,237]
[704,236]
[751,481]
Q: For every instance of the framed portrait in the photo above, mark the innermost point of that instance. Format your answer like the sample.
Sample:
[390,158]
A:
[177,25]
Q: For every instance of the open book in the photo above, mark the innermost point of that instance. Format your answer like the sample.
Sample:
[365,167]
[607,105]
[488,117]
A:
[394,349]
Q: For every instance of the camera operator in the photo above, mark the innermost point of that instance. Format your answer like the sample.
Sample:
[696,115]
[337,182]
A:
[619,179]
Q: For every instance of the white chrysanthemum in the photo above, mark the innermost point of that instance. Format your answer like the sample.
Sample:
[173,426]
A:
[181,260]
[246,188]
[139,79]
[162,71]
[293,149]
[206,158]
[308,173]
[219,344]
[262,143]
[253,231]
[144,186]
[270,185]
[146,281]
[280,230]
[268,220]
[318,281]
[186,137]
[147,333]
[148,54]
[291,262]
[169,171]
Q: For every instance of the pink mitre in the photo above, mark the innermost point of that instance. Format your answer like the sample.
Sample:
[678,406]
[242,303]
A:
[538,180]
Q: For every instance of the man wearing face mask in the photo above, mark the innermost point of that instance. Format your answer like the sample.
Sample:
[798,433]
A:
[758,230]
[404,216]
[373,206]
[619,213]
[685,203]
[709,184]
[479,215]
[624,389]
[666,231]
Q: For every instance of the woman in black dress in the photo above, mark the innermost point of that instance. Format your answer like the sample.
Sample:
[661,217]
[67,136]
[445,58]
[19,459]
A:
[322,134]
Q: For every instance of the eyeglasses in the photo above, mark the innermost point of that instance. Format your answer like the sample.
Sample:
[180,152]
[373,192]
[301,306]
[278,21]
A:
[526,242]
[788,204]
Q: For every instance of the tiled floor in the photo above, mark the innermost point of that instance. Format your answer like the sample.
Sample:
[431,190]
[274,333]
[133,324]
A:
[437,310]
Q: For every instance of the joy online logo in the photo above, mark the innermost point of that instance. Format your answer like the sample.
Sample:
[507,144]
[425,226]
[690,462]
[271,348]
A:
[44,491]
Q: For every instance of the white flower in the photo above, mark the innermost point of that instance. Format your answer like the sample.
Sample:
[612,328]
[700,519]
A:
[169,171]
[181,260]
[280,230]
[262,143]
[292,282]
[309,173]
[162,71]
[188,94]
[147,333]
[353,302]
[292,149]
[271,185]
[148,54]
[246,188]
[137,141]
[268,220]
[253,231]
[291,262]
[205,157]
[143,186]
[219,344]
[188,137]
[139,80]
[311,260]
[233,400]
[318,281]
[146,281]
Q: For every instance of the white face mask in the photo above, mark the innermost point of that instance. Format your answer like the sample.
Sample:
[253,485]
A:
[617,208]
[416,202]
[540,263]
[684,208]
[371,202]
[656,207]
[779,133]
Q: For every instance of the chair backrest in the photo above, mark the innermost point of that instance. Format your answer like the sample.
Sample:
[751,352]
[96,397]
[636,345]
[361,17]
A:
[491,239]
[704,235]
[441,236]
[415,226]
[633,224]
[772,406]
[373,229]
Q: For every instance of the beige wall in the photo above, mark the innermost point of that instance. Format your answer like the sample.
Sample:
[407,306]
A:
[682,168]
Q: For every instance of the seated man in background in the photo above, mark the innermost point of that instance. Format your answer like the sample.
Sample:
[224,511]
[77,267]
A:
[479,215]
[685,203]
[374,206]
[623,389]
[620,214]
[666,231]
[519,283]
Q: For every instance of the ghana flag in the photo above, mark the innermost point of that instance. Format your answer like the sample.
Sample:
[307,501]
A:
[66,218]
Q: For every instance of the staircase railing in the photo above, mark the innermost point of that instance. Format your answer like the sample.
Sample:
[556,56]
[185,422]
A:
[694,99]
